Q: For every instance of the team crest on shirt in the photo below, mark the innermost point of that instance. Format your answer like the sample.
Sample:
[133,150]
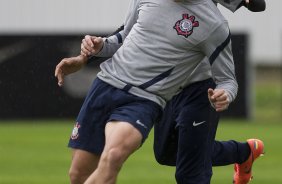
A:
[186,25]
[75,134]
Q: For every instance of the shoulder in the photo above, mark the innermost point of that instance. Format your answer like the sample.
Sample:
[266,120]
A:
[211,21]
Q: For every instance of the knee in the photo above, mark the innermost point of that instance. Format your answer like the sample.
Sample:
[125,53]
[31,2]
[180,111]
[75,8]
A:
[77,176]
[115,157]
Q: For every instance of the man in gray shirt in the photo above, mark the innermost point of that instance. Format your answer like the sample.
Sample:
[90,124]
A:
[154,64]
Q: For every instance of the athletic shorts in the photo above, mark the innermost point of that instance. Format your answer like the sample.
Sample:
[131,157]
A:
[106,103]
[189,107]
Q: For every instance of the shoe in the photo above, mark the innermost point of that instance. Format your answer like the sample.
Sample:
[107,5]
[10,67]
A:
[243,172]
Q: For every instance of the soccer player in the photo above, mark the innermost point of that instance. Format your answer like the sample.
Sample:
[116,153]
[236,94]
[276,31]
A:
[180,141]
[113,154]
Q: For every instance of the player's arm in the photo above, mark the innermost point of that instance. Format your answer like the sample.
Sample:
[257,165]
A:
[99,47]
[68,66]
[112,43]
[217,47]
[252,5]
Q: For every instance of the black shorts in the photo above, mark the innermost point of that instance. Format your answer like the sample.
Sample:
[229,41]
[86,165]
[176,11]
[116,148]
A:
[106,103]
[189,107]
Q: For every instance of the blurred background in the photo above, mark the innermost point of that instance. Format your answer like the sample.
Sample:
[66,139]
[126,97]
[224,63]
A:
[36,116]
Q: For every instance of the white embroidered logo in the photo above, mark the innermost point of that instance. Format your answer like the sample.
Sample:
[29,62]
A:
[75,133]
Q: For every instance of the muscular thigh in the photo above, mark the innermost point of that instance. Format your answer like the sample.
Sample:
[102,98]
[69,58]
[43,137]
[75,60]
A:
[122,135]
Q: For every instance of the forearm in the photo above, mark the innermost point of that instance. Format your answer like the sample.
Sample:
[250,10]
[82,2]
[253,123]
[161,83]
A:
[230,86]
[223,71]
[111,45]
[83,59]
[217,47]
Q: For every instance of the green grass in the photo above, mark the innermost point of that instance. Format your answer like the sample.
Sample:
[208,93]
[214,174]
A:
[268,103]
[35,152]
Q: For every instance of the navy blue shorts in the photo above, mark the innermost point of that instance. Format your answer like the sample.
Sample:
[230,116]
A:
[106,103]
[185,135]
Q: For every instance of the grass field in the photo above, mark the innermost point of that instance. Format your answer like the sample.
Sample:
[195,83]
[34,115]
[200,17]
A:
[35,152]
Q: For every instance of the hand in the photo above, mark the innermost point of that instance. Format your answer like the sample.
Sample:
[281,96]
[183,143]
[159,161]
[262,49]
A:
[68,66]
[91,45]
[219,99]
[255,5]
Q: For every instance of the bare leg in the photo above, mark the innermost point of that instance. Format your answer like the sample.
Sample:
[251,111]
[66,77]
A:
[83,164]
[122,139]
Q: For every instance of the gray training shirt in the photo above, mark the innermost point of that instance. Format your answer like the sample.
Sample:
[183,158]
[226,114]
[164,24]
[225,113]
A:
[168,45]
